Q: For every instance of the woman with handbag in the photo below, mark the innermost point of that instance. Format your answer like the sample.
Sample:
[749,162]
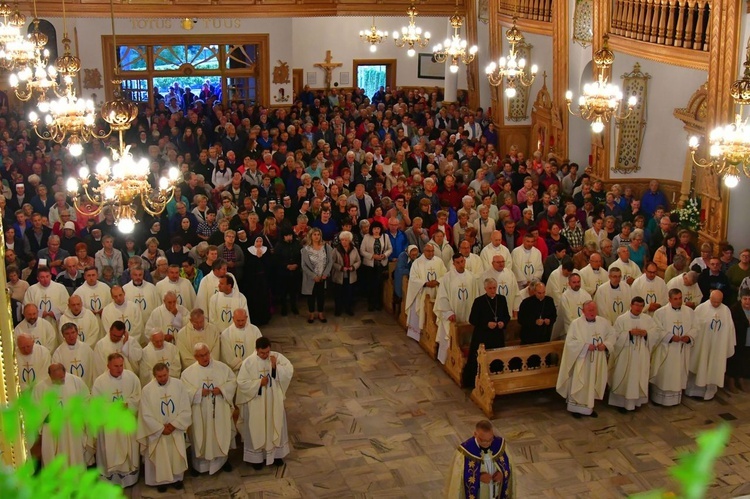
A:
[346,261]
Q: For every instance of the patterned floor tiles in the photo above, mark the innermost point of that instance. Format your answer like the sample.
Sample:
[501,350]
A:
[371,416]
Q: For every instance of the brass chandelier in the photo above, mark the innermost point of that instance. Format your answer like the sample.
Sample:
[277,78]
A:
[511,69]
[411,35]
[121,183]
[455,48]
[373,36]
[16,50]
[601,101]
[729,145]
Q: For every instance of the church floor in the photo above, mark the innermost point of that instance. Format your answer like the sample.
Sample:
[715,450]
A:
[370,415]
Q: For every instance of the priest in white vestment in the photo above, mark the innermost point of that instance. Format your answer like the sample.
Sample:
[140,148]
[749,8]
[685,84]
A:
[507,285]
[651,288]
[164,416]
[143,294]
[593,275]
[443,249]
[32,361]
[688,284]
[423,280]
[210,385]
[571,306]
[455,296]
[209,286]
[75,355]
[496,247]
[76,447]
[118,340]
[169,317]
[126,312]
[89,326]
[714,343]
[670,358]
[49,296]
[198,330]
[225,302]
[94,293]
[613,298]
[262,384]
[583,367]
[527,261]
[118,454]
[630,269]
[557,282]
[473,262]
[630,361]
[238,340]
[42,331]
[181,287]
[159,350]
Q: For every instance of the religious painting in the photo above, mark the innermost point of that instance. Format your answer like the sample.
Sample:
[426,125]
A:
[630,130]
[92,78]
[518,106]
[281,73]
[428,68]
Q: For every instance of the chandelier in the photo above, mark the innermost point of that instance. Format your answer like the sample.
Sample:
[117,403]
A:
[411,36]
[16,51]
[601,100]
[455,48]
[511,68]
[729,145]
[122,182]
[373,36]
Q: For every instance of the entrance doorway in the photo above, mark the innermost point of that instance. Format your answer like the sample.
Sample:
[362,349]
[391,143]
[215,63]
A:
[372,74]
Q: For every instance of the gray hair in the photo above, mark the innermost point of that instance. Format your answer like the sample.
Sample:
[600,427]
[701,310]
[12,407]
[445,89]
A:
[490,280]
[200,346]
[345,234]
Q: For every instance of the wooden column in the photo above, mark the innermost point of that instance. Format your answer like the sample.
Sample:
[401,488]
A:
[496,48]
[472,37]
[561,69]
[724,53]
[601,142]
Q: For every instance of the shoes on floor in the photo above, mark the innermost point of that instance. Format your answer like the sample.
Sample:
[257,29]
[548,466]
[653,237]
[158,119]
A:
[179,485]
[278,462]
[257,466]
[161,488]
[194,472]
[227,467]
[310,321]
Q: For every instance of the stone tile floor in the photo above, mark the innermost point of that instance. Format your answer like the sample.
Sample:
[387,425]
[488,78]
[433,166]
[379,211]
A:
[370,415]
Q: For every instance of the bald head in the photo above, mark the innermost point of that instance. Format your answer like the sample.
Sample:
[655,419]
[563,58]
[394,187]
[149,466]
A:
[716,298]
[56,373]
[25,343]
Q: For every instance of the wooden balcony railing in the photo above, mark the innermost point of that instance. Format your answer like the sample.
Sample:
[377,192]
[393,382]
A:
[535,10]
[674,23]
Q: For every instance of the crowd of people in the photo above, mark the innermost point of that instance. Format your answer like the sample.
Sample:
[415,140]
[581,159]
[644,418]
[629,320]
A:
[327,199]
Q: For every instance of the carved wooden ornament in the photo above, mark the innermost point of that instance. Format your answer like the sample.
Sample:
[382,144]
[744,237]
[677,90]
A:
[281,73]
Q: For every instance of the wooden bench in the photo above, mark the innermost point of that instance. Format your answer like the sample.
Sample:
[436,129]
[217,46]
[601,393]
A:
[515,375]
[458,346]
[428,338]
[402,314]
[388,288]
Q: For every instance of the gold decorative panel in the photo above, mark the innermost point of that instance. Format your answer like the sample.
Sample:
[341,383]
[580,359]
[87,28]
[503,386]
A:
[583,22]
[630,130]
[518,106]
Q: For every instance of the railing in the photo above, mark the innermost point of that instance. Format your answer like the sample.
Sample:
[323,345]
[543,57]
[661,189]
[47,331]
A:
[537,10]
[674,23]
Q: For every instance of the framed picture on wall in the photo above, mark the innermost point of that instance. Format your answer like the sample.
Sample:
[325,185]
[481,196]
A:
[428,68]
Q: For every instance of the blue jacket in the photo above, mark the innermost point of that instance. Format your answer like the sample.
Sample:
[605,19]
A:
[398,243]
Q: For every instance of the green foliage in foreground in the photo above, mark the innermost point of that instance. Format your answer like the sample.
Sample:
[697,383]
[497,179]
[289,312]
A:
[57,480]
[695,471]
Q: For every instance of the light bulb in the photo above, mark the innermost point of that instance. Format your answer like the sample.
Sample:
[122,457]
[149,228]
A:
[534,69]
[126,225]
[163,183]
[426,35]
[33,116]
[173,173]
[453,68]
[109,192]
[632,100]
[84,172]
[102,168]
[373,48]
[569,95]
[597,126]
[411,52]
[510,92]
[731,180]
[395,35]
[72,185]
[75,149]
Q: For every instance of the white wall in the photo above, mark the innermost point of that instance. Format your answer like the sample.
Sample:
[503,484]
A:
[665,141]
[579,132]
[311,37]
[300,42]
[483,58]
[738,231]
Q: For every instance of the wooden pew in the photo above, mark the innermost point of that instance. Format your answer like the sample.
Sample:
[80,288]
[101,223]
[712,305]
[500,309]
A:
[517,377]
[428,338]
[458,347]
[402,315]
[388,288]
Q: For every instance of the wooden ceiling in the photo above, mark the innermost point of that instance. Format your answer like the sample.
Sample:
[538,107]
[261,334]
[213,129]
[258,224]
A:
[242,8]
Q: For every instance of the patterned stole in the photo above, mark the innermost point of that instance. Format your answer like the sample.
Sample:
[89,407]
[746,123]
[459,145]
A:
[473,467]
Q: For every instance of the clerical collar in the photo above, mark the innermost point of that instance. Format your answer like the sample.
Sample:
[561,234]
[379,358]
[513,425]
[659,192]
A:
[614,287]
[677,309]
[590,320]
